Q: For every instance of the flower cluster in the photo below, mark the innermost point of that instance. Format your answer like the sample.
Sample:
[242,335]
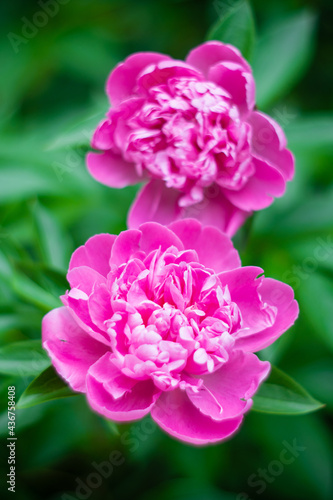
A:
[190,130]
[164,320]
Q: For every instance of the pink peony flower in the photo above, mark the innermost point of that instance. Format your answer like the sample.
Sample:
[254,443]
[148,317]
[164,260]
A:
[190,130]
[164,320]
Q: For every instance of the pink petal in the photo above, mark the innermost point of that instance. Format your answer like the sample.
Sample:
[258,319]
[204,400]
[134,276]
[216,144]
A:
[210,53]
[176,415]
[239,83]
[111,169]
[99,307]
[259,191]
[243,287]
[216,210]
[127,244]
[215,250]
[71,349]
[156,236]
[163,71]
[154,202]
[95,253]
[128,402]
[227,392]
[269,143]
[84,279]
[281,296]
[122,80]
[103,136]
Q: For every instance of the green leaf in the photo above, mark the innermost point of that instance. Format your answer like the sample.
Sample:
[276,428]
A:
[23,358]
[281,56]
[280,394]
[237,28]
[52,239]
[46,387]
[311,132]
[33,293]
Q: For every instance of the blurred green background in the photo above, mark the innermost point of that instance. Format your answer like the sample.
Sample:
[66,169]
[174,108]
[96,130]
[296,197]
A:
[51,98]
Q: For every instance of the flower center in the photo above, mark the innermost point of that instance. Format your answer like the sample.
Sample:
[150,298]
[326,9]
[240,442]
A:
[189,134]
[171,317]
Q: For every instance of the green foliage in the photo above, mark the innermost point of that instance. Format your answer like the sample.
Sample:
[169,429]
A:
[280,394]
[46,387]
[52,97]
[236,26]
[282,55]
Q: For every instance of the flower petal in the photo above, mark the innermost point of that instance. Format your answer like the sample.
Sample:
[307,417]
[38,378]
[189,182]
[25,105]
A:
[154,202]
[269,143]
[210,53]
[176,415]
[227,392]
[155,236]
[280,296]
[84,279]
[116,397]
[239,83]
[215,250]
[259,191]
[95,253]
[122,81]
[111,169]
[163,71]
[71,349]
[216,210]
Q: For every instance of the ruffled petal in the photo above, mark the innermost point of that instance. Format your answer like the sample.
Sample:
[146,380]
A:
[115,396]
[175,414]
[156,236]
[95,253]
[227,392]
[239,83]
[163,71]
[216,210]
[122,81]
[84,279]
[281,297]
[154,202]
[259,191]
[71,349]
[127,244]
[215,250]
[208,54]
[269,143]
[112,170]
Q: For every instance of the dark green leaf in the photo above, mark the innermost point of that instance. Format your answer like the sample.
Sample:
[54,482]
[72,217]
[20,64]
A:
[236,27]
[46,387]
[280,394]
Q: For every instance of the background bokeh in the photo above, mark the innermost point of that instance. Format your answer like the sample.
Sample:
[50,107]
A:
[51,98]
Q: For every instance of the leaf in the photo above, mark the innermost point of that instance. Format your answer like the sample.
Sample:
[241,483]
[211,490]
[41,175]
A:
[237,28]
[46,387]
[280,394]
[23,358]
[281,56]
[51,238]
[310,132]
[33,293]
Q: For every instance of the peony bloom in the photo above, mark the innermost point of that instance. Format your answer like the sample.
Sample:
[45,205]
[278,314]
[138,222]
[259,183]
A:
[191,132]
[165,321]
